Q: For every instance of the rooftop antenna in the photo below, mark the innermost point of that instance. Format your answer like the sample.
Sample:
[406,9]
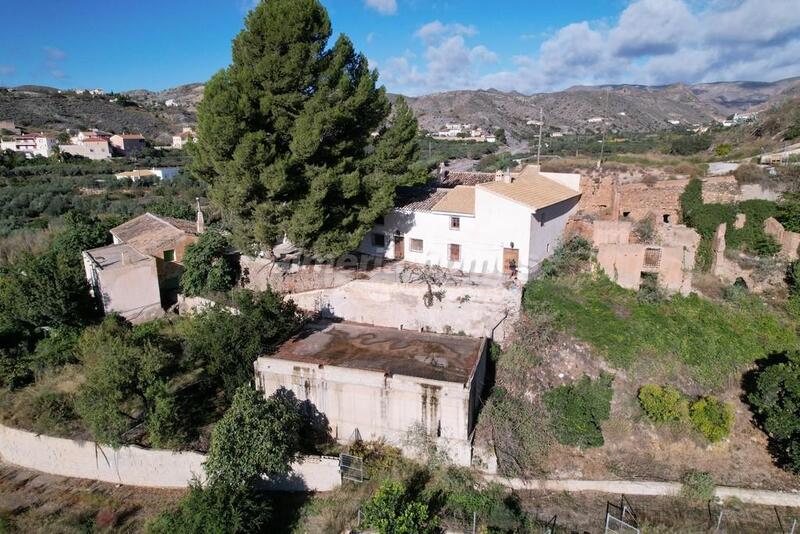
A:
[541,124]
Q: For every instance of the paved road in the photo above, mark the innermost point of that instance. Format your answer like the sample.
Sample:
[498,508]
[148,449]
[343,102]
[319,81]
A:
[630,487]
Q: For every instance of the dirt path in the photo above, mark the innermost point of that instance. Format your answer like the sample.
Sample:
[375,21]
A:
[629,487]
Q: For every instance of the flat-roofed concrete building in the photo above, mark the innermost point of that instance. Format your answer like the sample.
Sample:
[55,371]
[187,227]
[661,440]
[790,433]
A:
[379,383]
[124,281]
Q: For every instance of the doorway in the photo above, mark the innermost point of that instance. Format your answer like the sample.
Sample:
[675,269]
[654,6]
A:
[510,261]
[399,246]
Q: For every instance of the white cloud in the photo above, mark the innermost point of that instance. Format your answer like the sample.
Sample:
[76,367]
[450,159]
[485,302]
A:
[370,37]
[54,54]
[652,42]
[7,70]
[384,7]
[436,32]
[449,62]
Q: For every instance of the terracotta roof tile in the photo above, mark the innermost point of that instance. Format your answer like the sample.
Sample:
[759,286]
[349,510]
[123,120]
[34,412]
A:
[461,199]
[419,198]
[532,189]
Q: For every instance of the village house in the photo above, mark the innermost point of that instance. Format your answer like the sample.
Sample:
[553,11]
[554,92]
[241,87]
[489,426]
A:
[504,222]
[130,276]
[182,139]
[31,145]
[375,383]
[92,147]
[127,144]
[153,174]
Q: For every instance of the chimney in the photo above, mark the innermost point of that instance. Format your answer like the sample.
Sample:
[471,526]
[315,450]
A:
[201,222]
[123,258]
[442,171]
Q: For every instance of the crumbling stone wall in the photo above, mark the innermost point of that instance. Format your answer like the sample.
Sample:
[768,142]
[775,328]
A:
[290,277]
[789,241]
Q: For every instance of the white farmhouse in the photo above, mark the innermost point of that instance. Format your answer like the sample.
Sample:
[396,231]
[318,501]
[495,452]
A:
[31,145]
[154,174]
[493,223]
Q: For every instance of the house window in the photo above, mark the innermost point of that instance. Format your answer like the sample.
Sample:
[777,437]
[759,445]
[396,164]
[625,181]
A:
[455,223]
[169,255]
[379,240]
[381,221]
[454,252]
[652,258]
[416,245]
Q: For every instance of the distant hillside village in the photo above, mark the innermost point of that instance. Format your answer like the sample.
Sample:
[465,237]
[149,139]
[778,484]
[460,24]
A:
[91,144]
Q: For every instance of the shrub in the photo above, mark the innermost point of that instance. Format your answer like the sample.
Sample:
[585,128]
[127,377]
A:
[748,173]
[392,511]
[216,509]
[723,150]
[663,404]
[577,410]
[698,486]
[208,266]
[649,291]
[775,399]
[53,412]
[570,257]
[712,417]
[644,230]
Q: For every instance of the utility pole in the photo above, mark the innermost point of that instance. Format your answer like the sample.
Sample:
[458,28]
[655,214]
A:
[541,124]
[603,141]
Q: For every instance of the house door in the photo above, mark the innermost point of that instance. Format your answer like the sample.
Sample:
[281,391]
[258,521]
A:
[510,261]
[399,246]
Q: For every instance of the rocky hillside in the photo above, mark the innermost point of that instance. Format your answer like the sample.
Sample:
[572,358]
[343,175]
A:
[626,107]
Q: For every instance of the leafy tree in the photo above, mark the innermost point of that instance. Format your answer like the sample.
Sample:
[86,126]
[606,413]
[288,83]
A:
[208,266]
[776,403]
[227,343]
[255,437]
[686,145]
[577,410]
[215,509]
[285,135]
[126,380]
[789,212]
[500,134]
[392,511]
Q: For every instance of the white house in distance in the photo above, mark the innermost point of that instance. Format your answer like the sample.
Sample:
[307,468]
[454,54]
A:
[506,222]
[31,145]
[92,147]
[182,139]
[160,174]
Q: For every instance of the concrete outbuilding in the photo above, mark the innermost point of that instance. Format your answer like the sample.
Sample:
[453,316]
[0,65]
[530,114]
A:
[379,383]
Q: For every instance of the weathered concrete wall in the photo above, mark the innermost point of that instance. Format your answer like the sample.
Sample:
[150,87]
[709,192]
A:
[287,277]
[134,466]
[625,263]
[789,240]
[477,311]
[618,232]
[373,406]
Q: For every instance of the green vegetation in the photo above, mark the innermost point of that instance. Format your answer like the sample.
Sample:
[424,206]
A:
[571,257]
[215,509]
[392,511]
[283,132]
[775,399]
[578,410]
[705,218]
[663,404]
[208,267]
[226,344]
[712,341]
[712,417]
[255,437]
[434,151]
[686,145]
[698,486]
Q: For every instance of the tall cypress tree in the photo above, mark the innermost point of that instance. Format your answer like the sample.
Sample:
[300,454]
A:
[285,135]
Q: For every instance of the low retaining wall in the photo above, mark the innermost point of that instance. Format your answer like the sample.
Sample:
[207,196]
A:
[135,466]
[477,311]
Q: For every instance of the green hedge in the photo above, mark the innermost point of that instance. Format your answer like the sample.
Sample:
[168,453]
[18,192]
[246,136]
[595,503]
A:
[577,410]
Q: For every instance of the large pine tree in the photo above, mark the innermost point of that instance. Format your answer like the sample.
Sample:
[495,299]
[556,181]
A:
[285,135]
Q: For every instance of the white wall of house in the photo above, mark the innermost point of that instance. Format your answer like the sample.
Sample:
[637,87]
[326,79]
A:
[498,223]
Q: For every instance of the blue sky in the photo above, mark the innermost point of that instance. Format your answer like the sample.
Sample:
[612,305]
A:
[419,46]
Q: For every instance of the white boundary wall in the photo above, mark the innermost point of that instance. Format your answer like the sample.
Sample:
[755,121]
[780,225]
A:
[134,466]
